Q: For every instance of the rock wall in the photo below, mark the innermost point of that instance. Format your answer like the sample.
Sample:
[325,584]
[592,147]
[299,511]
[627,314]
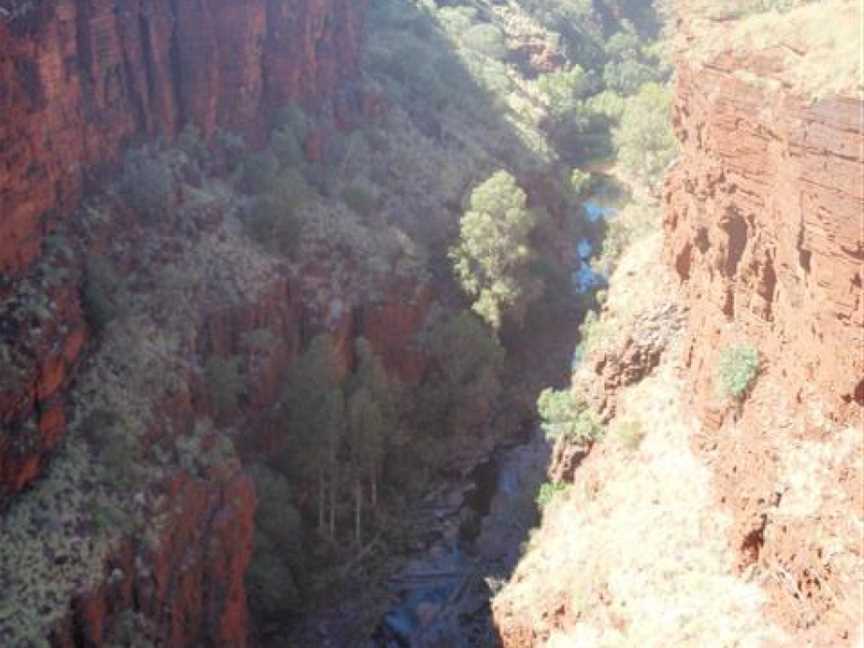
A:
[80,78]
[764,229]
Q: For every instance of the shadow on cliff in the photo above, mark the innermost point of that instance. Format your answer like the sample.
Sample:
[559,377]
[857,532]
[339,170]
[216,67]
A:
[420,71]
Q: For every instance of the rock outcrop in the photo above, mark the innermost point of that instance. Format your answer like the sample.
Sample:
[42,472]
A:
[79,83]
[79,80]
[764,228]
[764,239]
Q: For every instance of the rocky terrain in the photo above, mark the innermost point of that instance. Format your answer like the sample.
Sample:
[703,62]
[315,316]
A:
[79,83]
[762,233]
[147,350]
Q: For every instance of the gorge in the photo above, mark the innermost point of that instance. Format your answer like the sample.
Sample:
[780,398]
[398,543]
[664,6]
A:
[284,282]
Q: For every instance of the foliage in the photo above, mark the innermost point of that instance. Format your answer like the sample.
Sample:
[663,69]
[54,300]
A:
[563,89]
[548,491]
[630,433]
[224,382]
[486,39]
[491,258]
[738,369]
[645,141]
[103,296]
[626,77]
[278,565]
[580,182]
[565,415]
[361,200]
[147,183]
[190,142]
[260,171]
[464,389]
[609,104]
[274,219]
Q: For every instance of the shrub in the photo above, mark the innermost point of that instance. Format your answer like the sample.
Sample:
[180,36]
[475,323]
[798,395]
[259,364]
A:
[103,298]
[569,417]
[564,88]
[486,39]
[645,141]
[288,147]
[360,200]
[224,383]
[190,142]
[469,361]
[738,368]
[259,172]
[548,491]
[626,77]
[630,433]
[147,183]
[580,182]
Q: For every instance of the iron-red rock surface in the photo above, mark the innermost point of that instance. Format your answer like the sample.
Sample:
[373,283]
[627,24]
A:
[79,80]
[764,228]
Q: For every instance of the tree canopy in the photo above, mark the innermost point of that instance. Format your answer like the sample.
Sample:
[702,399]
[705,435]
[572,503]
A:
[494,248]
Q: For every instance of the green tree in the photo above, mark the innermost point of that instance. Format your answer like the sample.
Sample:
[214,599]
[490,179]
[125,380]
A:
[314,407]
[277,569]
[564,89]
[374,413]
[147,183]
[367,431]
[486,39]
[469,359]
[564,415]
[224,382]
[491,259]
[645,141]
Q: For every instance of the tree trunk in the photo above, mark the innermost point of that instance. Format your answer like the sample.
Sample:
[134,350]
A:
[322,498]
[333,487]
[358,507]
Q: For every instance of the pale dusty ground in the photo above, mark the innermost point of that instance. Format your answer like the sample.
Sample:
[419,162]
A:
[636,551]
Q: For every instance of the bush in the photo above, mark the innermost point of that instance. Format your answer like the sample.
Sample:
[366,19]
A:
[486,39]
[645,141]
[224,383]
[360,200]
[738,368]
[259,172]
[566,416]
[564,88]
[548,491]
[464,387]
[630,433]
[580,182]
[103,298]
[147,183]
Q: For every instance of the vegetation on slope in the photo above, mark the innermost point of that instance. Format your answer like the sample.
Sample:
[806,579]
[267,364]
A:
[468,177]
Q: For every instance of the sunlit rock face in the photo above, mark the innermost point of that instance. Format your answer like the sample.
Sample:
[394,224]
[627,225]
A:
[763,227]
[79,80]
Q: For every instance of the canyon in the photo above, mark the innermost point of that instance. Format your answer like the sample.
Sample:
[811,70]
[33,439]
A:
[761,244]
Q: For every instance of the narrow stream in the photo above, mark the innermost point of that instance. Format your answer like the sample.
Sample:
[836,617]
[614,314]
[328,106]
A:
[444,594]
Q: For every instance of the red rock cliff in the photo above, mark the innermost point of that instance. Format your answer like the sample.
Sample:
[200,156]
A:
[79,79]
[764,228]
